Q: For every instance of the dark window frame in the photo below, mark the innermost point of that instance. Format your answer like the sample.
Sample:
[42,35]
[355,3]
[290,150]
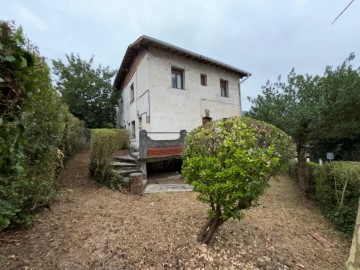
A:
[132,93]
[203,79]
[175,74]
[224,88]
[133,129]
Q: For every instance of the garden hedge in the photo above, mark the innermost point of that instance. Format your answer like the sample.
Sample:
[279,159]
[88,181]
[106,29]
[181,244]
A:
[336,187]
[104,143]
[338,191]
[33,128]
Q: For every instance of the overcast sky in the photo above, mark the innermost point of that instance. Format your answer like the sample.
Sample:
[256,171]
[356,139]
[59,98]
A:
[266,38]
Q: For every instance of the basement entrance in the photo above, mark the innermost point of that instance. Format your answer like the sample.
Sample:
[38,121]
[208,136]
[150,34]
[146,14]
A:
[165,172]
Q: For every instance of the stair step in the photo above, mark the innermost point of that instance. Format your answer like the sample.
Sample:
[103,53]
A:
[127,172]
[159,188]
[135,155]
[123,164]
[127,159]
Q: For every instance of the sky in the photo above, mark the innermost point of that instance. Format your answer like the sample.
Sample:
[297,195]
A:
[264,37]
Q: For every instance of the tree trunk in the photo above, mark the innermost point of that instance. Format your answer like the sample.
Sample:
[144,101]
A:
[210,227]
[353,261]
[301,167]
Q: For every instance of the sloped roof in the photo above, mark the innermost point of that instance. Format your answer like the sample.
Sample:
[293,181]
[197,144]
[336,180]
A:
[146,41]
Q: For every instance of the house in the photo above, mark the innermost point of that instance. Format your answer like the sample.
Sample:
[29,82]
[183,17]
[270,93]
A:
[164,89]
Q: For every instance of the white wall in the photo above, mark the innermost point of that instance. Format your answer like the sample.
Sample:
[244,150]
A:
[172,110]
[176,109]
[140,105]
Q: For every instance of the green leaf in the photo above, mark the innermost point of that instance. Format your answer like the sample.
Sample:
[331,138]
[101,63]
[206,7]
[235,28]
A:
[23,62]
[10,58]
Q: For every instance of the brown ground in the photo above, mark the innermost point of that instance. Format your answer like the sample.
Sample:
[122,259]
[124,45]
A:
[96,228]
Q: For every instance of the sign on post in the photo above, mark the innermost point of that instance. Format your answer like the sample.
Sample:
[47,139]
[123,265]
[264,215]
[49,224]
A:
[330,156]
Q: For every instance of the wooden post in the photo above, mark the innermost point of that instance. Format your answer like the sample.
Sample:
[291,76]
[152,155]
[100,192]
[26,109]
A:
[353,262]
[136,183]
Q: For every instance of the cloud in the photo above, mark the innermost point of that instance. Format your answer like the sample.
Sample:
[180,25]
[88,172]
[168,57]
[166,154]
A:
[27,16]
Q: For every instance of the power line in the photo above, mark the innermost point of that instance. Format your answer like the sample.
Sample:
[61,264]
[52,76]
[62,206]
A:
[342,11]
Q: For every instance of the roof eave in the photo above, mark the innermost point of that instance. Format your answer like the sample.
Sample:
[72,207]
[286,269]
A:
[145,41]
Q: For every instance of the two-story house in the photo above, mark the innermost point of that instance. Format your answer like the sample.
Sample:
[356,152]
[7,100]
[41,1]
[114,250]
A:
[165,89]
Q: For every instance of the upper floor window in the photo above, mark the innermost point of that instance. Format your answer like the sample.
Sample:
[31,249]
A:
[203,79]
[132,94]
[121,105]
[177,78]
[224,88]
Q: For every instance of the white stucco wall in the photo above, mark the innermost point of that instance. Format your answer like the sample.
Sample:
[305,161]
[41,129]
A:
[171,110]
[176,109]
[140,106]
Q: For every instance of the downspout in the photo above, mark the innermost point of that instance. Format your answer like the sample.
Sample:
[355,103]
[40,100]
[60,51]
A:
[240,91]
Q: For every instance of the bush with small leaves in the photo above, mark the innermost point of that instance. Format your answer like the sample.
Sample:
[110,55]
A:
[229,162]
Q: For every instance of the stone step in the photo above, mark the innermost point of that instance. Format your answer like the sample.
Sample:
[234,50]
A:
[126,159]
[122,164]
[159,188]
[135,155]
[126,172]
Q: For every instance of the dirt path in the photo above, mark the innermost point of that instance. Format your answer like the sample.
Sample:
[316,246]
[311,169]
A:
[96,228]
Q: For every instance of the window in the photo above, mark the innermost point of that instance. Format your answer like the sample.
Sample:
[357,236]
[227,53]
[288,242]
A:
[203,79]
[132,94]
[132,129]
[177,78]
[140,122]
[121,105]
[224,88]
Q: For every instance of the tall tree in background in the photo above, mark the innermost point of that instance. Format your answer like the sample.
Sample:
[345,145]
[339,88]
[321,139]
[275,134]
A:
[87,90]
[313,109]
[292,107]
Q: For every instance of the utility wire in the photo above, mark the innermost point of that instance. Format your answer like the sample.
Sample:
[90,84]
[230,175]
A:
[342,11]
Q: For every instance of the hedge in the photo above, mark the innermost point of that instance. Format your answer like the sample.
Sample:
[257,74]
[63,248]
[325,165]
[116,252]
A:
[33,127]
[338,191]
[336,187]
[310,175]
[104,143]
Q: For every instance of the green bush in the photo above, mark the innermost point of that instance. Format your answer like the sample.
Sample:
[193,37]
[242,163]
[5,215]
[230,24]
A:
[311,171]
[338,191]
[310,175]
[104,143]
[229,163]
[32,126]
[292,169]
[73,138]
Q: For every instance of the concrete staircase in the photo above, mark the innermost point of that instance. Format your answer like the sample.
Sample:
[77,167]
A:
[124,165]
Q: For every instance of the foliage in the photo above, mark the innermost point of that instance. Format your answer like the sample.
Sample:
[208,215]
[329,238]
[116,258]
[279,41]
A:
[104,143]
[14,63]
[313,110]
[311,169]
[338,191]
[73,137]
[336,186]
[229,162]
[341,98]
[87,91]
[31,129]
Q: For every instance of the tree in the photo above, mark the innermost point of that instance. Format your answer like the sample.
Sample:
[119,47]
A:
[313,110]
[294,108]
[88,91]
[229,163]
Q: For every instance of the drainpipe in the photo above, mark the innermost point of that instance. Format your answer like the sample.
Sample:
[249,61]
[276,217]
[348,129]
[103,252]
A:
[240,91]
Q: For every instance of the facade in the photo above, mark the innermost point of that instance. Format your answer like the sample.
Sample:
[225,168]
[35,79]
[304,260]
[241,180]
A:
[165,89]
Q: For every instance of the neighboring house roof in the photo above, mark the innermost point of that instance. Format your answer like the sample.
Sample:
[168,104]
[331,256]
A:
[146,41]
